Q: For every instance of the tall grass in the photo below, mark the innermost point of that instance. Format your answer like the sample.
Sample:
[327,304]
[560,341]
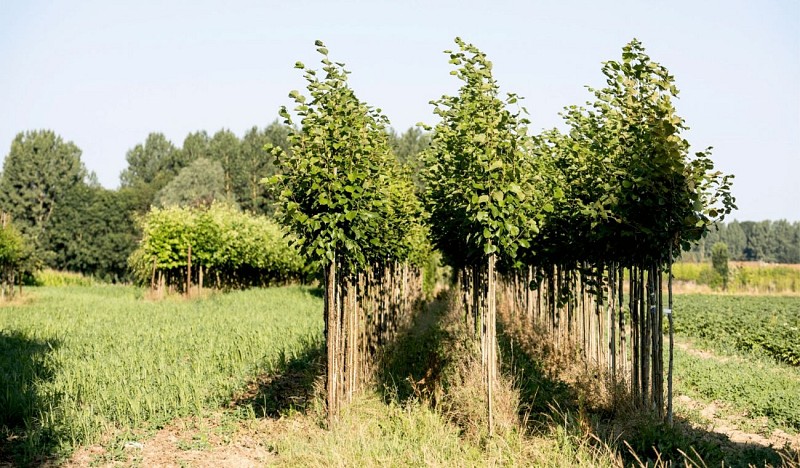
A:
[744,277]
[79,361]
[50,277]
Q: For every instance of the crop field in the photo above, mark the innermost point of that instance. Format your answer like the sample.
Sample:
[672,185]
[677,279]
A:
[79,361]
[739,354]
[765,325]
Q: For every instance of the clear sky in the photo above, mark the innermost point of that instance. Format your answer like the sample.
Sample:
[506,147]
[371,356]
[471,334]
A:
[105,74]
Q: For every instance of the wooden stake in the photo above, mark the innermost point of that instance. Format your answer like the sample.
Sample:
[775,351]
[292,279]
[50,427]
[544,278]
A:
[491,340]
[671,340]
[189,270]
[331,322]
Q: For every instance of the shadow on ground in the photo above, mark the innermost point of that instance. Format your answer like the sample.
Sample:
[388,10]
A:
[23,368]
[412,364]
[647,440]
[291,385]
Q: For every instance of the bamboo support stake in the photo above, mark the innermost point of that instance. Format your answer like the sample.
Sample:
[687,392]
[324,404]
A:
[612,345]
[490,341]
[189,270]
[671,340]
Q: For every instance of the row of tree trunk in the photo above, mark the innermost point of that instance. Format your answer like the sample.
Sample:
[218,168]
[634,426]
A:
[478,286]
[612,316]
[363,313]
[190,278]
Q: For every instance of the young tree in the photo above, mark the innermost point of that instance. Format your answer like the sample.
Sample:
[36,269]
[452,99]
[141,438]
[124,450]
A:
[719,260]
[634,198]
[480,188]
[347,204]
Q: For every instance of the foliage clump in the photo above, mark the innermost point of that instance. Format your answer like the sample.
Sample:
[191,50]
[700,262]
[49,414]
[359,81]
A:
[341,190]
[481,190]
[13,251]
[634,195]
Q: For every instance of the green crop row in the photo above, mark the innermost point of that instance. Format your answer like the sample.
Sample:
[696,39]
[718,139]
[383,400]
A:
[763,324]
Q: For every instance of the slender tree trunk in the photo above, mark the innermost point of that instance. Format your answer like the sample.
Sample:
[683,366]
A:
[612,343]
[331,339]
[491,340]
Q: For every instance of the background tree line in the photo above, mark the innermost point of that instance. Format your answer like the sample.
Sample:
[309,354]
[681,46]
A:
[765,241]
[70,222]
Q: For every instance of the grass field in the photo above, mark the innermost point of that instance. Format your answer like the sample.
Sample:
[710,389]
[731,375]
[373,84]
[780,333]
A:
[761,325]
[80,361]
[100,375]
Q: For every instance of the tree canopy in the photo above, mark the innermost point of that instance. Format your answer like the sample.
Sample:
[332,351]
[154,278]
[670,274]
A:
[39,171]
[198,184]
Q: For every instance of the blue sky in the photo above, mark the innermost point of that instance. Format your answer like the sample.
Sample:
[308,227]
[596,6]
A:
[105,74]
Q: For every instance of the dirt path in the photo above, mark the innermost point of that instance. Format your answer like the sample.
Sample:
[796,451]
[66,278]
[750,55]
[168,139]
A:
[717,417]
[210,441]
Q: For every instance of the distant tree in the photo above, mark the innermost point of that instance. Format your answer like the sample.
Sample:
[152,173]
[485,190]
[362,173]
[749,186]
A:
[765,241]
[278,135]
[407,148]
[151,166]
[736,240]
[796,242]
[39,171]
[757,234]
[783,242]
[257,164]
[93,232]
[198,184]
[195,146]
[225,148]
[719,261]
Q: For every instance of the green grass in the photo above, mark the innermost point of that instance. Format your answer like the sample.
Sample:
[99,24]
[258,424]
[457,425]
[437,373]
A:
[50,277]
[79,361]
[757,388]
[761,325]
